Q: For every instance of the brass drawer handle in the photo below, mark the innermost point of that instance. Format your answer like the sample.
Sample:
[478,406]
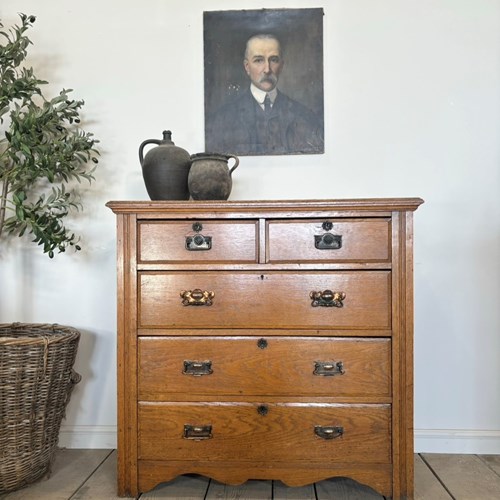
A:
[197,432]
[328,368]
[197,297]
[197,368]
[327,298]
[328,432]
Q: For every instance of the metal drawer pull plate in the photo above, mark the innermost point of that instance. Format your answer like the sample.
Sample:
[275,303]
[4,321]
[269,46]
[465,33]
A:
[197,368]
[328,368]
[198,241]
[197,432]
[197,297]
[328,432]
[328,241]
[327,298]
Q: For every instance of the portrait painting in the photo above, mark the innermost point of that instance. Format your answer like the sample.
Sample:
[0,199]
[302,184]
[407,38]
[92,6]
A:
[263,76]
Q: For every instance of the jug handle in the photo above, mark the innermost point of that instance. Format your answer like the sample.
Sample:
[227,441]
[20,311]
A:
[236,163]
[145,143]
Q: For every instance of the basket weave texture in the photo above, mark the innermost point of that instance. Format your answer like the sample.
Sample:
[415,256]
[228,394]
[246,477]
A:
[36,380]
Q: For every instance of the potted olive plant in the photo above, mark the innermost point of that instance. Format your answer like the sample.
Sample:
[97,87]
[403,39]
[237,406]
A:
[43,151]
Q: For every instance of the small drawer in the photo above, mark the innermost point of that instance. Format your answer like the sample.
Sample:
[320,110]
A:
[336,240]
[197,241]
[265,432]
[323,300]
[253,366]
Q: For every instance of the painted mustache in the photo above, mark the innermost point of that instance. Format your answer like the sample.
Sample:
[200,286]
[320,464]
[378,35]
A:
[268,79]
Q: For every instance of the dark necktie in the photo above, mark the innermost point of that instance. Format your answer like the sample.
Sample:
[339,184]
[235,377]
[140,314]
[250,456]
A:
[267,104]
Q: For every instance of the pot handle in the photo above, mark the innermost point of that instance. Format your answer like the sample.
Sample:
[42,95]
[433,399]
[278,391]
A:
[236,163]
[145,143]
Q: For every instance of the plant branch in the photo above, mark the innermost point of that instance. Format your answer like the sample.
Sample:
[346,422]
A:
[3,203]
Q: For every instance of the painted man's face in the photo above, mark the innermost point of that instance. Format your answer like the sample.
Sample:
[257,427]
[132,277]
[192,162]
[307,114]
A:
[263,63]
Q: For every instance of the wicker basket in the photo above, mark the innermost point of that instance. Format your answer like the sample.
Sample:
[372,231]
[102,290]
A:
[36,380]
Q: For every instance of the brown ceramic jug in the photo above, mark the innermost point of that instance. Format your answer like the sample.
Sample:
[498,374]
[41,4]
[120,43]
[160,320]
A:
[210,176]
[165,169]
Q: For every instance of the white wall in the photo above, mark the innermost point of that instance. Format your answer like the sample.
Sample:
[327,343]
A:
[412,105]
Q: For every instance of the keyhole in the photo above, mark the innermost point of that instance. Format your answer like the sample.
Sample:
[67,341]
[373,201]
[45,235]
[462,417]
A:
[262,410]
[262,343]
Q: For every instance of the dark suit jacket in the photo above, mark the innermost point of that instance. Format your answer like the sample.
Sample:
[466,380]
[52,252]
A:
[242,127]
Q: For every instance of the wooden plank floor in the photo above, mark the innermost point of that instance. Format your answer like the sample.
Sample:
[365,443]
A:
[91,475]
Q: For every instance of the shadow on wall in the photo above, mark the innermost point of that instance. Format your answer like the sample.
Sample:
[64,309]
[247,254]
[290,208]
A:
[95,362]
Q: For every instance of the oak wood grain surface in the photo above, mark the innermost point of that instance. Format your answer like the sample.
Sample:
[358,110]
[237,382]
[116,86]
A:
[283,432]
[361,240]
[230,241]
[283,366]
[265,300]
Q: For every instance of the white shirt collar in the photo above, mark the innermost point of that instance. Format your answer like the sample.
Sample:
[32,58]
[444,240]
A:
[259,95]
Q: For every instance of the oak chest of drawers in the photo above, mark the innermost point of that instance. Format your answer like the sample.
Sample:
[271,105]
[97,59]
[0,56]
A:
[266,340]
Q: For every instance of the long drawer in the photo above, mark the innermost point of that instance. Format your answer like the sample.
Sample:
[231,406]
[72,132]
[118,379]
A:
[326,300]
[245,366]
[265,432]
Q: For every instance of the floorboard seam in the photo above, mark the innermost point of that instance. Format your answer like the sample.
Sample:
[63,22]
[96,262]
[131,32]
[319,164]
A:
[437,477]
[91,474]
[208,488]
[488,465]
